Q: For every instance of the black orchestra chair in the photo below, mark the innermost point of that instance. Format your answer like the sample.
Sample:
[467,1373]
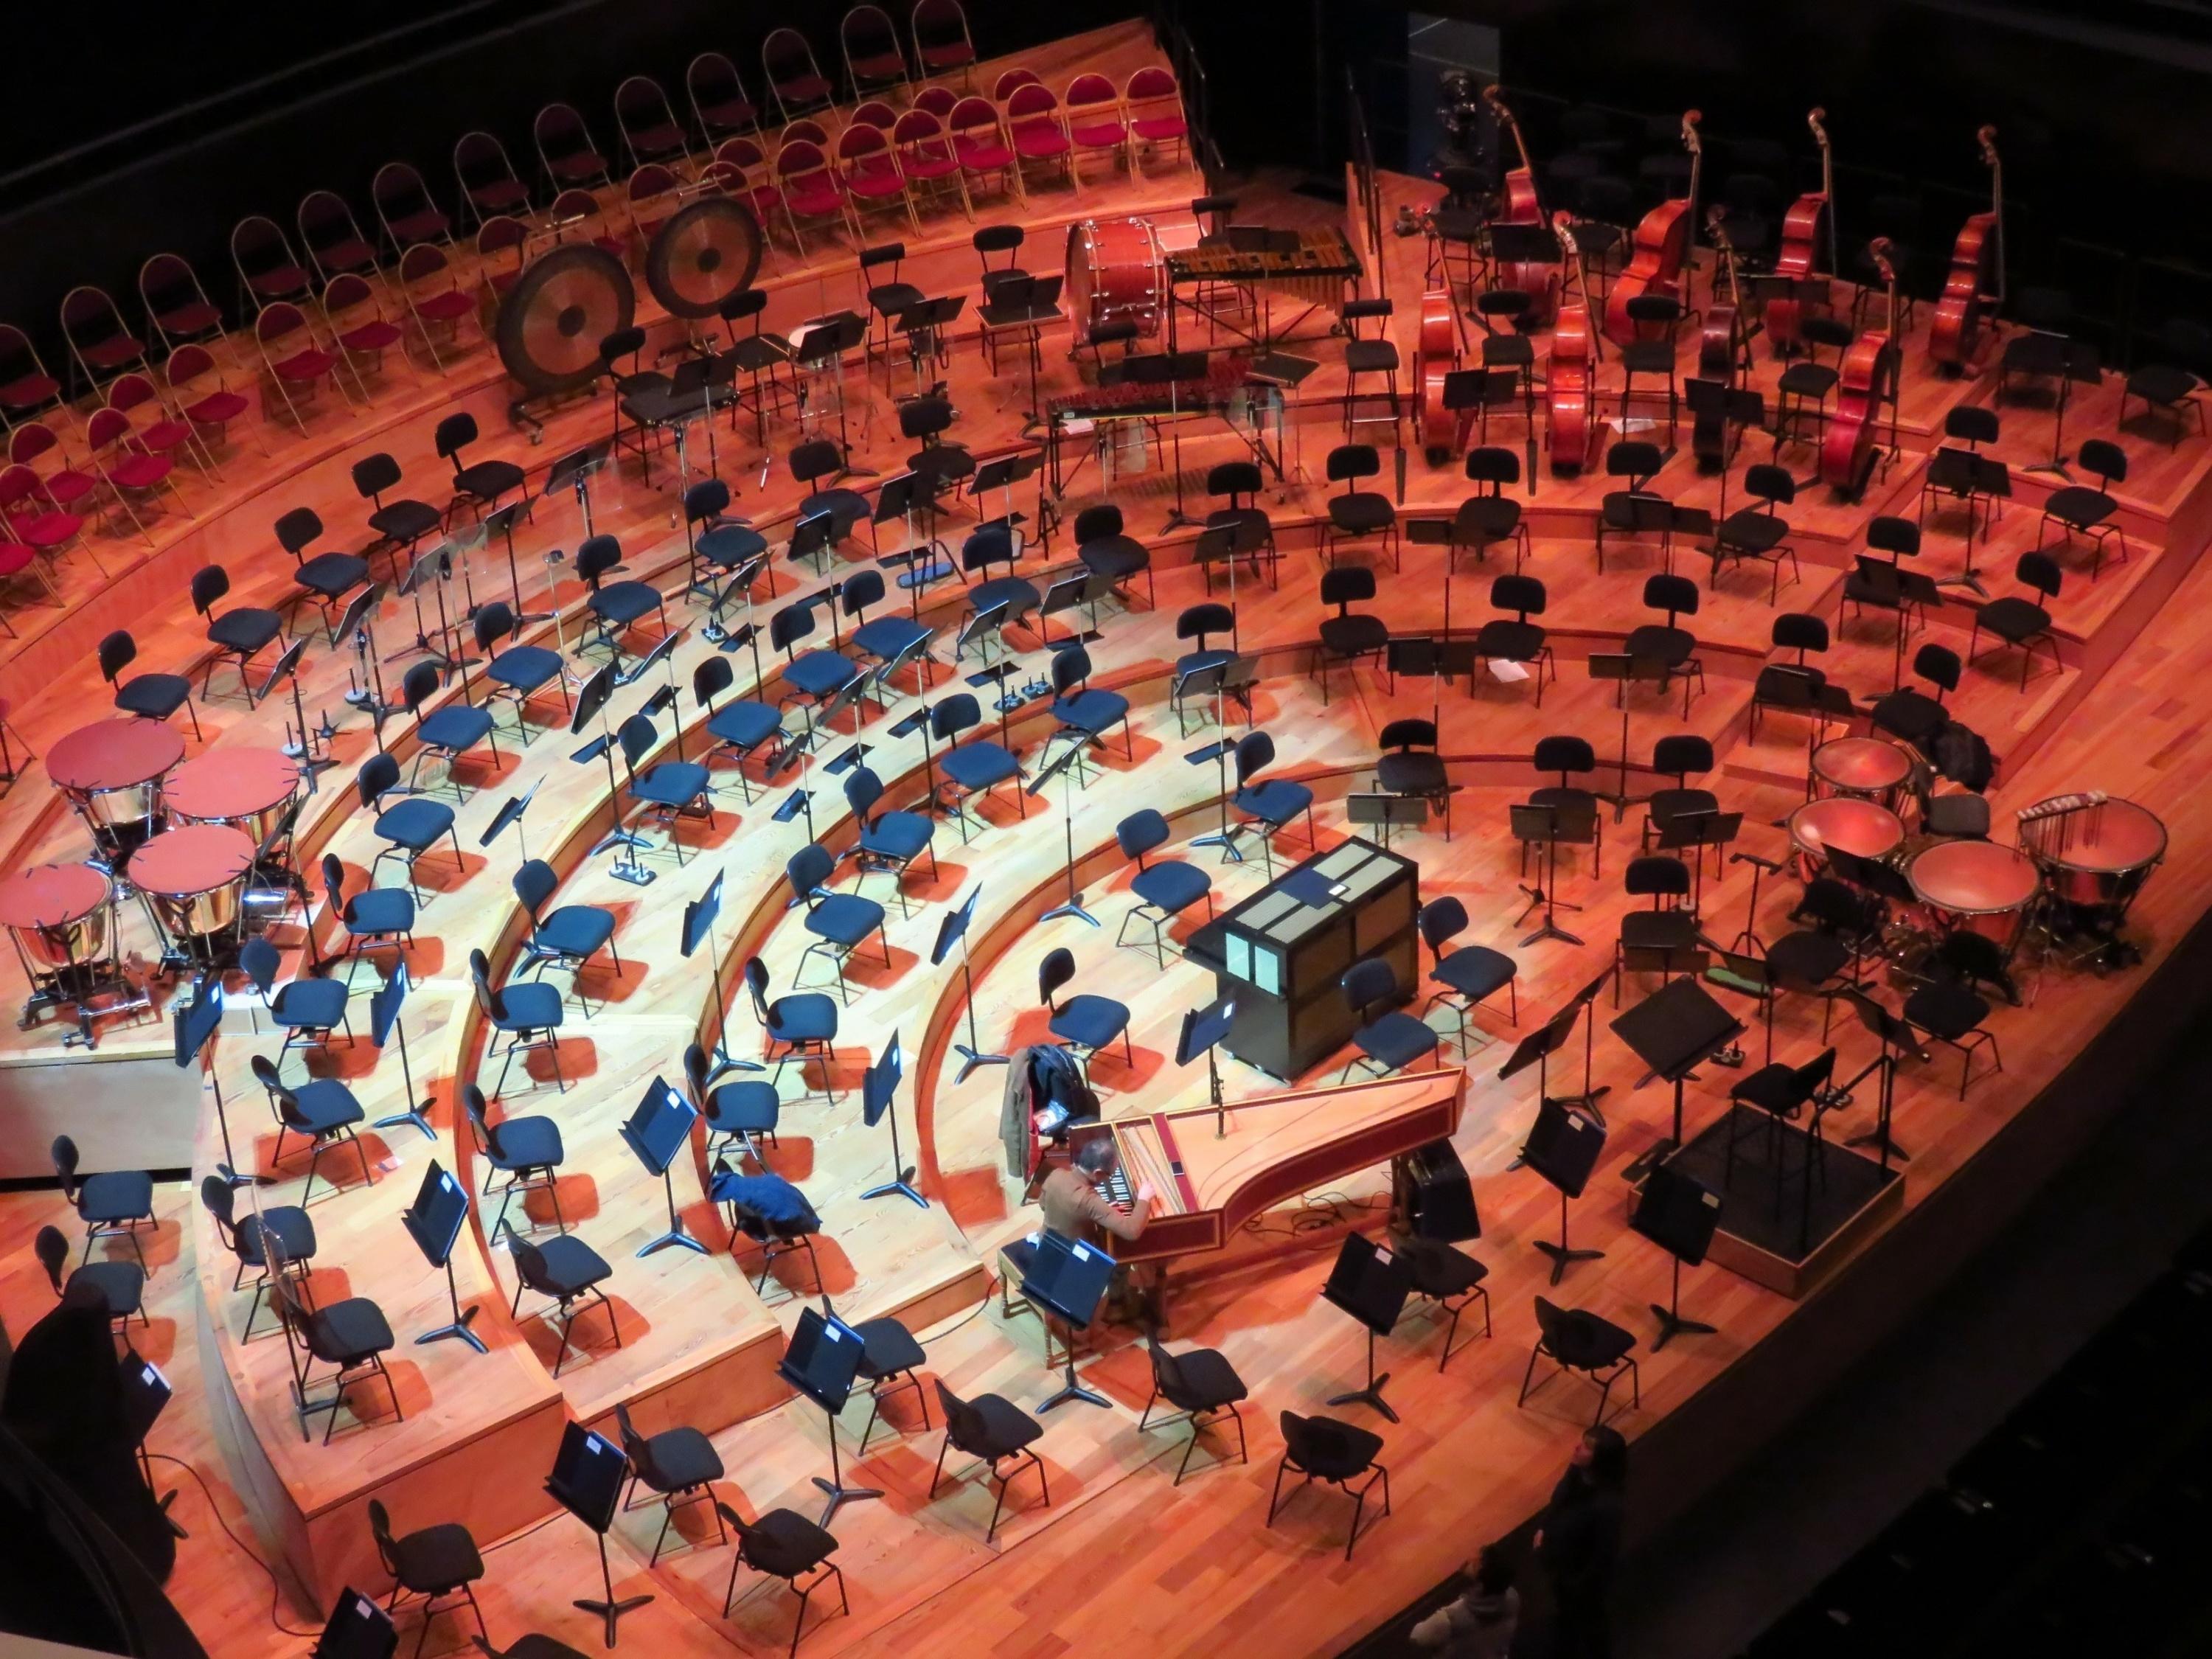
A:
[401,522]
[429,1562]
[1448,1277]
[351,1336]
[2163,384]
[2090,509]
[526,1012]
[1568,757]
[719,543]
[1252,532]
[740,727]
[1949,1010]
[1912,715]
[1083,1024]
[1676,647]
[567,937]
[241,1237]
[1410,765]
[1387,1038]
[239,634]
[734,1113]
[1760,533]
[889,840]
[121,1287]
[994,602]
[783,1544]
[890,642]
[1783,1092]
[408,829]
[772,1212]
[1576,1340]
[1164,890]
[974,767]
[1376,356]
[1268,804]
[891,1364]
[1803,392]
[1678,756]
[1194,623]
[1959,814]
[803,1024]
[321,1111]
[1502,312]
[1795,686]
[994,1429]
[527,1151]
[1634,511]
[149,697]
[1104,549]
[448,732]
[480,484]
[1966,475]
[566,1271]
[1322,1448]
[1470,975]
[309,1009]
[1349,635]
[847,508]
[1204,1386]
[1354,515]
[1654,318]
[679,1466]
[1516,639]
[668,790]
[839,922]
[520,671]
[1663,939]
[616,606]
[1489,516]
[2018,620]
[1085,711]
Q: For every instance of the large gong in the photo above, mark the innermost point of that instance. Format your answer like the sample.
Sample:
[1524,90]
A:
[703,256]
[560,308]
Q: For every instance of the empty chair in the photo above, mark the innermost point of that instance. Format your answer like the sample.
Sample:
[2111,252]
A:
[1410,765]
[814,677]
[1038,132]
[740,727]
[1795,686]
[150,696]
[994,1429]
[176,303]
[1576,1339]
[667,790]
[1165,887]
[1676,647]
[1251,533]
[1471,975]
[1323,1449]
[267,267]
[984,151]
[786,1544]
[2017,619]
[165,433]
[1515,639]
[2165,383]
[293,1229]
[794,79]
[401,522]
[239,634]
[447,732]
[1097,125]
[1387,1039]
[101,346]
[618,606]
[429,1562]
[351,1336]
[121,1287]
[1204,1386]
[972,768]
[1083,1022]
[1448,1277]
[804,1024]
[321,1111]
[1949,1010]
[870,45]
[1490,515]
[1663,939]
[527,1013]
[326,578]
[526,1151]
[1364,355]
[489,186]
[1760,533]
[889,840]
[649,129]
[839,922]
[1153,104]
[928,159]
[1104,549]
[1084,711]
[291,361]
[1634,511]
[565,150]
[517,672]
[736,1112]
[1782,1091]
[941,41]
[199,392]
[893,642]
[679,1465]
[1912,715]
[719,543]
[1349,637]
[308,1010]
[2090,509]
[719,101]
[1200,674]
[130,468]
[1353,513]
[1803,392]
[408,829]
[332,237]
[891,1364]
[480,484]
[404,208]
[1966,475]
[567,1272]
[1267,804]
[567,937]
[1678,756]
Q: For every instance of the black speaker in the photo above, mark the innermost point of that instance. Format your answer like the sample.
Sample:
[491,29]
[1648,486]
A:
[1677,1213]
[1442,1203]
[1564,1147]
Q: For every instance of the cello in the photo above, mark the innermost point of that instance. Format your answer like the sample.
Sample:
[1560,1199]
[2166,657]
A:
[1662,246]
[1723,345]
[1540,282]
[1437,356]
[1568,378]
[1867,375]
[1977,279]
[1809,216]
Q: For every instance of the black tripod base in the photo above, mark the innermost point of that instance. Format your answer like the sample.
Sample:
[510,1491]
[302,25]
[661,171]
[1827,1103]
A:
[904,1184]
[1070,909]
[839,1494]
[969,1060]
[458,1331]
[675,1235]
[1073,1390]
[418,1117]
[1561,1257]
[1881,1142]
[611,1611]
[1672,1325]
[1369,1395]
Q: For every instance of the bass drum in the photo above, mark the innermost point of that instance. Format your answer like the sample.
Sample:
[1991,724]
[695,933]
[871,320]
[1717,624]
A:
[1115,274]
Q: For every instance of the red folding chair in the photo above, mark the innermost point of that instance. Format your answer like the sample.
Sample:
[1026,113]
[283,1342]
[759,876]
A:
[359,326]
[267,267]
[565,150]
[198,391]
[651,195]
[575,215]
[811,189]
[979,144]
[502,245]
[65,487]
[31,518]
[794,78]
[1038,132]
[720,102]
[176,303]
[489,184]
[157,426]
[405,210]
[646,126]
[741,170]
[100,346]
[1095,121]
[937,101]
[804,131]
[941,41]
[291,361]
[128,467]
[871,173]
[332,237]
[873,62]
[874,112]
[924,154]
[1153,103]
[432,291]
[1011,80]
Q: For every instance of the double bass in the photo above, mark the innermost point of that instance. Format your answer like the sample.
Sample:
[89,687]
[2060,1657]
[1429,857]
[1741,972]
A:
[1866,379]
[1437,356]
[1662,247]
[1976,283]
[1723,345]
[1809,217]
[1569,377]
[1522,206]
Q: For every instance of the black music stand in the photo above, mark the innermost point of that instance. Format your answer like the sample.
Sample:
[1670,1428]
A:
[658,1131]
[1078,588]
[193,1024]
[1201,1033]
[145,1395]
[925,324]
[2070,361]
[1371,1284]
[1679,1215]
[821,1362]
[1371,811]
[1563,1147]
[1673,1031]
[588,1471]
[1062,767]
[1687,831]
[823,352]
[510,812]
[433,1221]
[574,472]
[1737,411]
[1896,1040]
[1539,1045]
[879,1089]
[299,747]
[951,929]
[591,699]
[1550,824]
[1066,1280]
[1621,669]
[434,570]
[383,1006]
[500,522]
[357,1629]
[359,623]
[699,916]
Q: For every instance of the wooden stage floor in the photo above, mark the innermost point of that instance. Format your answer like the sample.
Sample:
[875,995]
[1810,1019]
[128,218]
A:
[1119,1558]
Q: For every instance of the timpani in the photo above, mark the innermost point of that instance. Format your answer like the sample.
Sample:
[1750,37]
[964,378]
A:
[61,919]
[112,771]
[1978,886]
[2098,857]
[1863,827]
[194,877]
[245,787]
[1867,769]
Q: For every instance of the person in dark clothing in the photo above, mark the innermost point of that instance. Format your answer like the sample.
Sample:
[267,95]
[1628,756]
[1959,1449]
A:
[1577,1539]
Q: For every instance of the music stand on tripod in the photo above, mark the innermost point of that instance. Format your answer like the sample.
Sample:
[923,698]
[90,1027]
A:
[360,622]
[510,812]
[383,1006]
[574,472]
[1679,1215]
[1548,1039]
[1201,1033]
[1548,824]
[926,325]
[1896,1040]
[1371,811]
[299,747]
[953,929]
[2070,361]
[194,1023]
[1564,1146]
[1371,1284]
[1673,1031]
[1063,767]
[588,1471]
[1066,1280]
[657,1132]
[1622,669]
[500,522]
[699,916]
[433,1221]
[878,1101]
[821,354]
[1684,832]
[821,1362]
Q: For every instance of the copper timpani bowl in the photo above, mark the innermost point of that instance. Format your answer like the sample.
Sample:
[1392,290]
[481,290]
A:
[243,786]
[1978,885]
[1863,826]
[1868,767]
[195,877]
[59,913]
[112,772]
[2102,854]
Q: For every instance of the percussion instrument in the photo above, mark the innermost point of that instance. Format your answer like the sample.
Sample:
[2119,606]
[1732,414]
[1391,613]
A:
[1975,285]
[703,256]
[2093,850]
[195,878]
[1852,822]
[1865,768]
[111,771]
[1661,246]
[248,789]
[1114,274]
[61,919]
[553,317]
[1979,886]
[1312,265]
